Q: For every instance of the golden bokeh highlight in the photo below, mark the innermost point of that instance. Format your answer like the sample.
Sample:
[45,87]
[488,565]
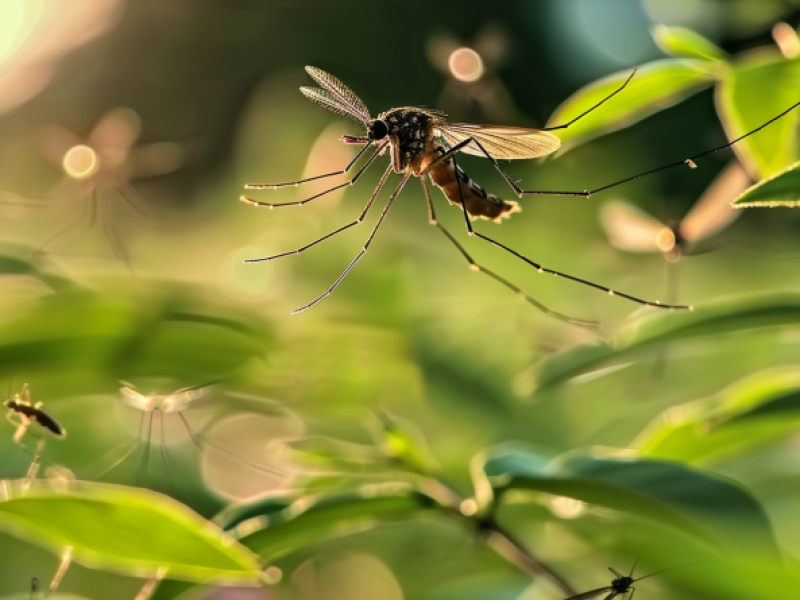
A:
[465,65]
[81,162]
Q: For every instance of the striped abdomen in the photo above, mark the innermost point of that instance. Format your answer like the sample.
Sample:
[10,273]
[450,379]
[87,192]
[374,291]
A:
[479,203]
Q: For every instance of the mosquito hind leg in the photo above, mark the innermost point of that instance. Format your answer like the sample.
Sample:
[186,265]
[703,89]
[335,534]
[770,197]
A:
[594,325]
[264,186]
[358,221]
[542,269]
[352,264]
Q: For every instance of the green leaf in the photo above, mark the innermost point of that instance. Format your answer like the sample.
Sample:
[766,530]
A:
[781,189]
[129,530]
[123,336]
[653,88]
[704,504]
[758,88]
[756,410]
[682,42]
[314,519]
[662,327]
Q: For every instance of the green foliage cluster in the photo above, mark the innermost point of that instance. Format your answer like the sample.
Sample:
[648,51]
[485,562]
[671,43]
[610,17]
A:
[461,491]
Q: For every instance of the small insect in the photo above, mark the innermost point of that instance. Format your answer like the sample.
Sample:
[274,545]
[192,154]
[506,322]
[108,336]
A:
[22,414]
[623,584]
[175,402]
[422,144]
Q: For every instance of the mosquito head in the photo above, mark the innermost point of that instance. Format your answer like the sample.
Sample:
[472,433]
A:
[377,130]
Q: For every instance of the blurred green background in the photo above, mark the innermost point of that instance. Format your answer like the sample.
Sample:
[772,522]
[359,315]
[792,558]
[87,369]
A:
[131,269]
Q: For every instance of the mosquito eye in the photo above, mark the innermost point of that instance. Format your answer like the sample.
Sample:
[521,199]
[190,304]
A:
[378,130]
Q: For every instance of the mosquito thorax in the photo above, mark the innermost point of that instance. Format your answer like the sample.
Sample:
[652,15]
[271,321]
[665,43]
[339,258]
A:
[622,584]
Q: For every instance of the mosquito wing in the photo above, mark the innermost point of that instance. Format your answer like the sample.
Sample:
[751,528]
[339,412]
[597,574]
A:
[502,143]
[713,210]
[595,593]
[182,398]
[336,96]
[133,398]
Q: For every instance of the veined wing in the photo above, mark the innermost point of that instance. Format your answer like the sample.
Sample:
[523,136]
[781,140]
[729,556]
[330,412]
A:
[182,398]
[336,96]
[502,143]
[631,229]
[139,401]
[594,594]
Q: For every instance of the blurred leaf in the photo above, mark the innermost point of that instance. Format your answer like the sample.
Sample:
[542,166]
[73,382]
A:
[757,88]
[751,412]
[122,337]
[129,530]
[682,42]
[169,589]
[781,189]
[405,444]
[661,327]
[702,503]
[654,87]
[311,520]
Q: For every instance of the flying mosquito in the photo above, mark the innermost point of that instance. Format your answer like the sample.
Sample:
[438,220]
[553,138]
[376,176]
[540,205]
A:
[420,143]
[623,584]
[175,402]
[22,414]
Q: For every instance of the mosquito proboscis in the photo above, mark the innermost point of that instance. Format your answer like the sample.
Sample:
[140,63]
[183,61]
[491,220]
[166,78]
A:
[420,143]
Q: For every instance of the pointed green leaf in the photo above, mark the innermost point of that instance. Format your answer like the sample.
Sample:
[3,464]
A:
[661,327]
[702,503]
[313,519]
[654,87]
[757,410]
[782,189]
[682,42]
[129,530]
[759,87]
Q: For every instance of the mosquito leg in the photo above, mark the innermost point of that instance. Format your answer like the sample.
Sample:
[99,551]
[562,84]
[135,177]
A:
[366,165]
[146,457]
[198,440]
[336,283]
[118,248]
[275,186]
[66,559]
[583,114]
[164,456]
[542,269]
[478,268]
[331,234]
[83,221]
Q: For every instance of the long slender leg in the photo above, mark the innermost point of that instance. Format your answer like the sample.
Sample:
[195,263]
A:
[603,101]
[118,248]
[359,220]
[478,268]
[690,162]
[275,186]
[146,457]
[198,440]
[336,283]
[376,154]
[164,456]
[542,269]
[83,221]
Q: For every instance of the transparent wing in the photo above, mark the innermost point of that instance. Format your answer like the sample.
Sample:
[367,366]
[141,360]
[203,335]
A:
[595,594]
[133,398]
[338,95]
[182,398]
[629,228]
[503,143]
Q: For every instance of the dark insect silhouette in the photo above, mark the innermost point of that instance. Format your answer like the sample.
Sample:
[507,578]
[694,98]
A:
[422,144]
[621,586]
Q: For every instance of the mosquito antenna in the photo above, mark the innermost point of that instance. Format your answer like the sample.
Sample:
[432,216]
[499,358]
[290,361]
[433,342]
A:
[615,572]
[583,114]
[198,440]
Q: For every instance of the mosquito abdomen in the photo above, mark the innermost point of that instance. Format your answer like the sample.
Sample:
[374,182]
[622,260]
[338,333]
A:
[479,203]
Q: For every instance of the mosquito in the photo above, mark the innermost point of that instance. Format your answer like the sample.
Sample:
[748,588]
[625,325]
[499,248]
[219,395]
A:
[623,584]
[422,144]
[175,402]
[22,414]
